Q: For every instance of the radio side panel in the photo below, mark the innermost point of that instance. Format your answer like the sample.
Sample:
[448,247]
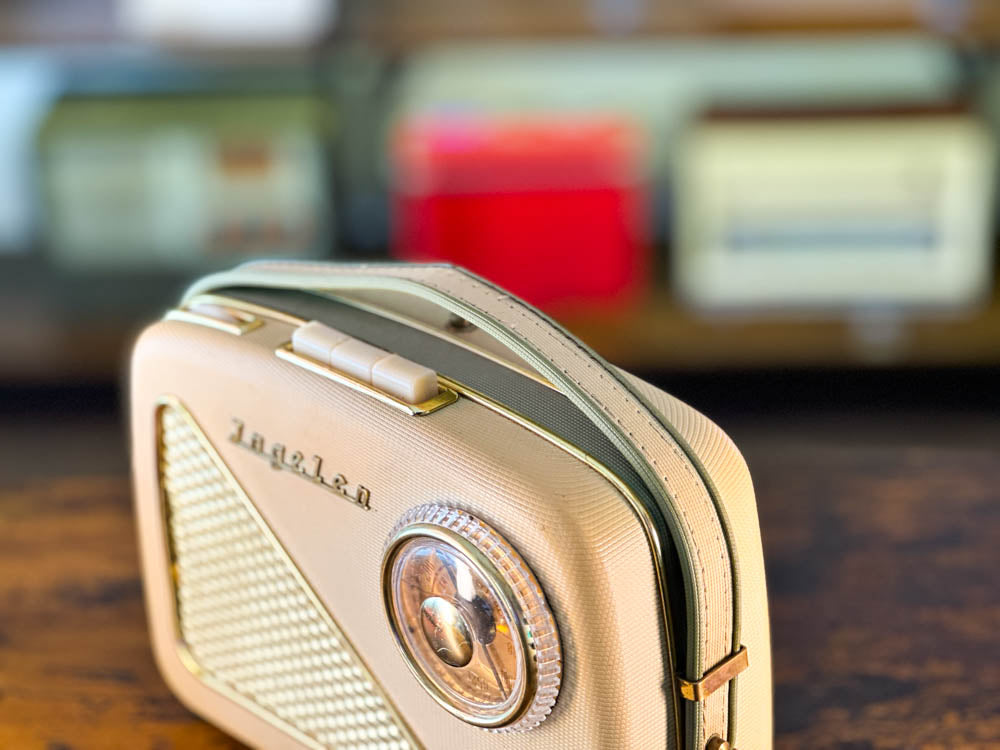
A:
[722,462]
[576,531]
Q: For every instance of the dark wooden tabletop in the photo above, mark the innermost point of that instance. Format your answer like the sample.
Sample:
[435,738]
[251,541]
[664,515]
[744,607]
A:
[881,532]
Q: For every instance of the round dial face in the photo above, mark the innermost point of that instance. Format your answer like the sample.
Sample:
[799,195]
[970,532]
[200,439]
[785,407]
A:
[458,627]
[471,619]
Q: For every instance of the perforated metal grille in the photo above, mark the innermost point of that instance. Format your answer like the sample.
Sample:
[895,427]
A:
[249,619]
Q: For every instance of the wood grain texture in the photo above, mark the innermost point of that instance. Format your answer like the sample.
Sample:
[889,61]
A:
[881,536]
[881,540]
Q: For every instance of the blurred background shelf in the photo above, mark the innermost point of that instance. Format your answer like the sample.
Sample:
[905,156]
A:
[43,344]
[661,335]
[737,184]
[402,25]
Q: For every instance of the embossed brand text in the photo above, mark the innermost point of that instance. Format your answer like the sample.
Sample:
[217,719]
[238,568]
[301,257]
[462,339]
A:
[282,459]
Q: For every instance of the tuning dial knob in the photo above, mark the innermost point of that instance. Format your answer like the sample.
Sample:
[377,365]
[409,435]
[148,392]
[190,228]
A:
[471,619]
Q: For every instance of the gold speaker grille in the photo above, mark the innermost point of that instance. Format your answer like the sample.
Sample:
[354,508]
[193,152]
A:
[248,619]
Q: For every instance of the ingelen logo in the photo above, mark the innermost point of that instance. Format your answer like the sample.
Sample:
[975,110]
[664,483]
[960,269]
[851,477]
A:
[281,459]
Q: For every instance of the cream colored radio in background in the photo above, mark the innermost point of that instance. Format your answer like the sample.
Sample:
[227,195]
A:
[840,213]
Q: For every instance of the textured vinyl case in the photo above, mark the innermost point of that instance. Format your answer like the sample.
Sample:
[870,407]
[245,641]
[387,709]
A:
[392,506]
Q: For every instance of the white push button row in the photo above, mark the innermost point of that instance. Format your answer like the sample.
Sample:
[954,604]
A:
[397,376]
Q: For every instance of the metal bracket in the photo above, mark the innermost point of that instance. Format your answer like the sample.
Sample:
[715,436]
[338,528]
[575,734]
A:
[243,322]
[716,677]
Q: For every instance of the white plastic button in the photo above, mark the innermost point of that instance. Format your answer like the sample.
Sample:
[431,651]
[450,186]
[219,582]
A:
[316,341]
[217,312]
[356,358]
[395,375]
[404,379]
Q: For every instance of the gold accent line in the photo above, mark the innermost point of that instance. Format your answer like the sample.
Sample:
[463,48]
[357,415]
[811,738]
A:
[641,513]
[716,677]
[247,322]
[183,651]
[444,397]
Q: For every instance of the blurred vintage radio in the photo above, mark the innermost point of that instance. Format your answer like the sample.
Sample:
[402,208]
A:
[175,182]
[835,212]
[554,209]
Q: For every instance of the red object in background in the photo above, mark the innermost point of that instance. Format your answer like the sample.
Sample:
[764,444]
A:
[552,210]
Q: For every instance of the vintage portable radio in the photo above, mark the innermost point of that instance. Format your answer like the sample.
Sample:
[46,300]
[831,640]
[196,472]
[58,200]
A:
[835,213]
[392,506]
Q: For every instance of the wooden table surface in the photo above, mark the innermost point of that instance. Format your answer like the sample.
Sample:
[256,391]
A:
[881,532]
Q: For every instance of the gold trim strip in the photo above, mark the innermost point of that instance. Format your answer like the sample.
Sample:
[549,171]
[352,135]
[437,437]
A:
[444,397]
[714,678]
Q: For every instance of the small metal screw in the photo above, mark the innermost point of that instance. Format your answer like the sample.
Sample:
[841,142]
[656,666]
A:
[715,742]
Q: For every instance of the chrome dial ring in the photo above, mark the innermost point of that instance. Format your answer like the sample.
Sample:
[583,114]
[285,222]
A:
[470,619]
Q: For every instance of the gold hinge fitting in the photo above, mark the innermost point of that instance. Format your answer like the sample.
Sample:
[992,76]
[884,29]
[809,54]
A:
[716,677]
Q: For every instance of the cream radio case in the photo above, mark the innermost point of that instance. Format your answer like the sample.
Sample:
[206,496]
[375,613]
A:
[393,506]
